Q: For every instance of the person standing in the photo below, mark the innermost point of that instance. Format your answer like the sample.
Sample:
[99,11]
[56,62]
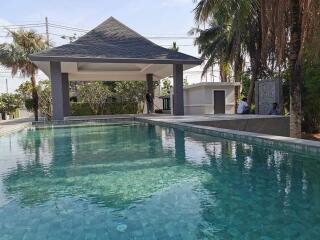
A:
[149,99]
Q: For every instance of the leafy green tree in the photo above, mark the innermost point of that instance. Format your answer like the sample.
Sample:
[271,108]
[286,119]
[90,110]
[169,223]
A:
[25,91]
[166,85]
[245,84]
[311,99]
[9,102]
[95,94]
[45,99]
[15,56]
[132,91]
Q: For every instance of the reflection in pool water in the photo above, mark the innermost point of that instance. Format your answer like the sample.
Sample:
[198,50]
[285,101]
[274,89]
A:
[135,181]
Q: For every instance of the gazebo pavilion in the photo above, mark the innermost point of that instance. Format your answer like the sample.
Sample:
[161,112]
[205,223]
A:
[111,52]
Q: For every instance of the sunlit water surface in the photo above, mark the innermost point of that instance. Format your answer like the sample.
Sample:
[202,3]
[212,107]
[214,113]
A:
[134,181]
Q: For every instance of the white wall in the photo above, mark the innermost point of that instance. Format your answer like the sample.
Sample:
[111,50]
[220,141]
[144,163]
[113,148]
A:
[199,99]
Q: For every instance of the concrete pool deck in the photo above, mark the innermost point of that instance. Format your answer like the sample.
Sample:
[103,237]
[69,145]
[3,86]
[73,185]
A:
[10,126]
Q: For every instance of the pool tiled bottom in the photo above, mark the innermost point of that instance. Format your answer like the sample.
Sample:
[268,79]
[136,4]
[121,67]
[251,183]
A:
[138,181]
[72,218]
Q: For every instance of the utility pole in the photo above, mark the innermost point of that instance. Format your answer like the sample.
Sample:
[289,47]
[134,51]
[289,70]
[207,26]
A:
[7,85]
[47,30]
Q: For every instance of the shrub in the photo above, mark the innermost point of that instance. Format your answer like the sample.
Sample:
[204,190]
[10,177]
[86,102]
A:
[83,109]
[311,100]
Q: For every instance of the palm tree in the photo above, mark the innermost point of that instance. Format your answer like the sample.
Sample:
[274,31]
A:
[295,70]
[265,30]
[232,34]
[15,56]
[214,46]
[293,23]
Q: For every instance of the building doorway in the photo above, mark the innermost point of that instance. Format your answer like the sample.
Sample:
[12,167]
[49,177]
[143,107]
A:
[219,102]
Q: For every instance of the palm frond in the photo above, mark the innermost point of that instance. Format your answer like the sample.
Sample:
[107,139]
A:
[15,55]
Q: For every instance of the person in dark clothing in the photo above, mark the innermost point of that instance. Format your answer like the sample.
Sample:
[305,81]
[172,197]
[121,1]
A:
[149,100]
[274,110]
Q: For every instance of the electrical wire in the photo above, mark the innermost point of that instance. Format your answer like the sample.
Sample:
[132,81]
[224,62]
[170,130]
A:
[75,29]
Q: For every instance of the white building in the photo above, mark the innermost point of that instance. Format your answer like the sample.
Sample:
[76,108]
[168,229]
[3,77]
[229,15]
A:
[205,94]
[211,98]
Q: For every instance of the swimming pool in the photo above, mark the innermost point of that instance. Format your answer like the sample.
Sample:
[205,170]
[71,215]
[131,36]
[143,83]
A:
[138,181]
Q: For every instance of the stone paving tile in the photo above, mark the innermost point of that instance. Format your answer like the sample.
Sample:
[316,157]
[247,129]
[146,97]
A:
[10,126]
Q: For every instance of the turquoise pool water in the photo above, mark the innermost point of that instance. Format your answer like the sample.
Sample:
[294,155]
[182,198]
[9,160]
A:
[135,181]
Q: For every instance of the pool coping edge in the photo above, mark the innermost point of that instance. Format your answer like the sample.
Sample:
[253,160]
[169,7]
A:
[293,144]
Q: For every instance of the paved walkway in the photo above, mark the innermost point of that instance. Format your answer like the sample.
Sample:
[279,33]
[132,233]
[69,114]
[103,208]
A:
[10,126]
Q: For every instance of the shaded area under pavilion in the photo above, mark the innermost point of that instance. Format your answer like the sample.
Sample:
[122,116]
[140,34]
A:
[112,52]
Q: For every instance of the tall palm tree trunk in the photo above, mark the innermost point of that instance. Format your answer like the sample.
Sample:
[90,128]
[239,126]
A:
[295,71]
[223,71]
[35,97]
[238,67]
[255,44]
[251,89]
[255,68]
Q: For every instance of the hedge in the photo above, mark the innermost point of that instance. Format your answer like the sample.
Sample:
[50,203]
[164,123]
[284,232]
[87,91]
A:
[83,109]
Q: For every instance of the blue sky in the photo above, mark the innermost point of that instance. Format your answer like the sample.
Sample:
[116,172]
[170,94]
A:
[148,17]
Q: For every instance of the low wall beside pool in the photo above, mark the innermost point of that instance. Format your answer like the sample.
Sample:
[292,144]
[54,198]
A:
[278,126]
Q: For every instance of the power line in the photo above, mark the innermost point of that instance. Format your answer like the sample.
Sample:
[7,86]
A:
[161,36]
[68,28]
[167,35]
[21,25]
[61,26]
[46,24]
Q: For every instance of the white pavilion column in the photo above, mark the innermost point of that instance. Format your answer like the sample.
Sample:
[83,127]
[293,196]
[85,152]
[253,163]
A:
[178,103]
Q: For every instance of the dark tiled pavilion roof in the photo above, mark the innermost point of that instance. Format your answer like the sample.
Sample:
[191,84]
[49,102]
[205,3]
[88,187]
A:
[112,41]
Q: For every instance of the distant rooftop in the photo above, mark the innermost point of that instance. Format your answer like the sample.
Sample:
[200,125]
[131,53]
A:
[114,42]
